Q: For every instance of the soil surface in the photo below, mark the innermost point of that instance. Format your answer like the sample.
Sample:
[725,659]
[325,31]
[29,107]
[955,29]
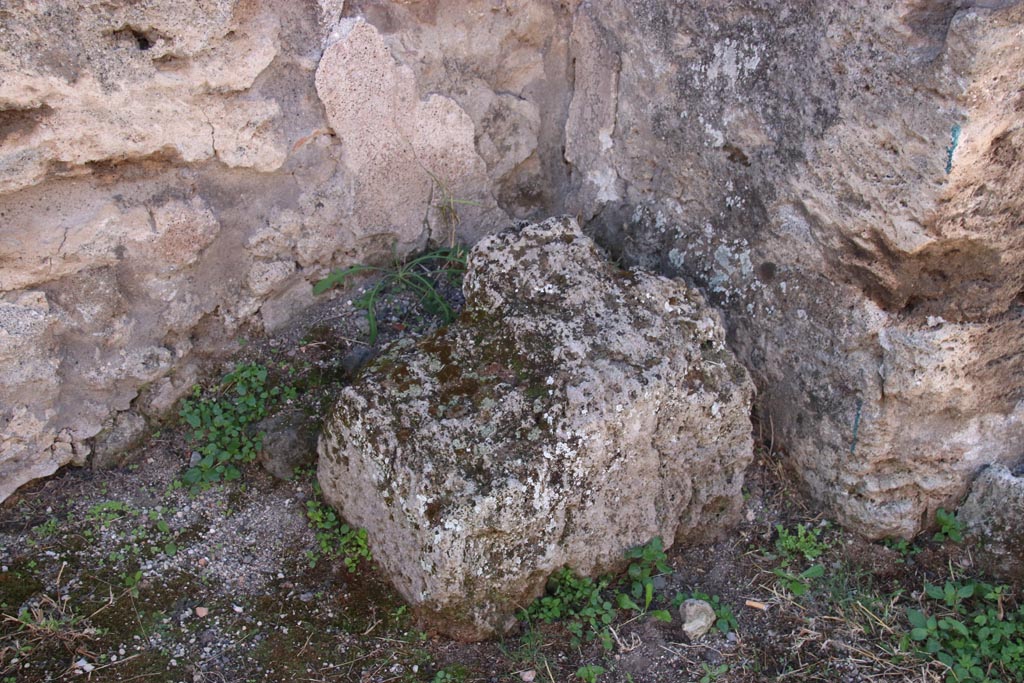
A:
[126,575]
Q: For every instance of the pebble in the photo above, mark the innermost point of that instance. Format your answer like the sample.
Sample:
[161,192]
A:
[698,618]
[237,609]
[201,612]
[528,676]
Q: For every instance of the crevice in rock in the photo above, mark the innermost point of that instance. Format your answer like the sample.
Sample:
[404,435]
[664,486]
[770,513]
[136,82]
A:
[21,122]
[144,39]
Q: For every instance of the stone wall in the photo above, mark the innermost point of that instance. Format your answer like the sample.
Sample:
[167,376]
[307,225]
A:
[842,179]
[172,172]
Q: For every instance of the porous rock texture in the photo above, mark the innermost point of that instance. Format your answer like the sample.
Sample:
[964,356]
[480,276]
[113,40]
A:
[843,180]
[572,411]
[171,173]
[993,515]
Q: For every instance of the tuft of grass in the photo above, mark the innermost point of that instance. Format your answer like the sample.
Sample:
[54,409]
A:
[421,276]
[446,206]
[50,621]
[47,528]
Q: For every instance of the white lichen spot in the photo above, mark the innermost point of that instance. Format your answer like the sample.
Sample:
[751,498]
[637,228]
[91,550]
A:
[730,63]
[723,257]
[746,267]
[676,258]
[605,182]
[717,137]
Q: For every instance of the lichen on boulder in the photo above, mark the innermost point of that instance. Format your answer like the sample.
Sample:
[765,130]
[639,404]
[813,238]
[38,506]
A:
[574,410]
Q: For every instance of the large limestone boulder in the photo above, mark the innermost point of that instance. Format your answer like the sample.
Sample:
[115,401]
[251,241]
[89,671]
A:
[574,410]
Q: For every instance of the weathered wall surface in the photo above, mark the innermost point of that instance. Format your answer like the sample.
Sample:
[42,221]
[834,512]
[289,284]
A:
[170,172]
[843,181]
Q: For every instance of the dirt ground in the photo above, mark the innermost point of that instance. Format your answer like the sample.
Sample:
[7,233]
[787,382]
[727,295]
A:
[122,575]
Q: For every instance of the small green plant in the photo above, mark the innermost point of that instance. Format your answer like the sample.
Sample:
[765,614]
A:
[530,646]
[131,582]
[949,527]
[582,605]
[905,548]
[450,674]
[335,538]
[47,528]
[589,673]
[220,422]
[712,673]
[107,512]
[169,548]
[725,620]
[648,561]
[578,601]
[794,547]
[802,541]
[970,628]
[798,584]
[420,276]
